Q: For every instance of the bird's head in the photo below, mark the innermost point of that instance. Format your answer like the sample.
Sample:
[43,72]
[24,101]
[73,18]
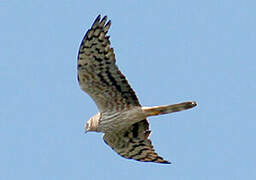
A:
[93,123]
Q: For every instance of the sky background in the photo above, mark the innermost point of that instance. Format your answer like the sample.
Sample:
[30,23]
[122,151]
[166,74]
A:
[170,51]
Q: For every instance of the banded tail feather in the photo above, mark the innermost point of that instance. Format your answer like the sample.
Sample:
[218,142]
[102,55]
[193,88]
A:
[166,109]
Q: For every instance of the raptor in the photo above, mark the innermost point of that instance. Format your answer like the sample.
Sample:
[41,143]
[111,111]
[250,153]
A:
[121,117]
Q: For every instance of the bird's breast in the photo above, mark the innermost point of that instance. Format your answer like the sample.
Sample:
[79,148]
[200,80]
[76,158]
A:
[119,120]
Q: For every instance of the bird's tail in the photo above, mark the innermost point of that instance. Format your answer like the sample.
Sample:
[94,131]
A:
[158,110]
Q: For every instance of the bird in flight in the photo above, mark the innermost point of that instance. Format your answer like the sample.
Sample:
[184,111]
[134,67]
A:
[121,117]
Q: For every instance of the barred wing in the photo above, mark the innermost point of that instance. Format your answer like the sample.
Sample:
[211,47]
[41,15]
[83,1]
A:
[133,143]
[98,74]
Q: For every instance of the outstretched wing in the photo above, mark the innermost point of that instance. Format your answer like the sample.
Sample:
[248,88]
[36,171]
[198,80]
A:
[98,74]
[133,143]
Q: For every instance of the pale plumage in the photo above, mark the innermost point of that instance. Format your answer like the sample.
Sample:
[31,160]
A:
[121,116]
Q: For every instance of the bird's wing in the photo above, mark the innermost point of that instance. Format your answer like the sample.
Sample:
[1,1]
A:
[133,143]
[98,75]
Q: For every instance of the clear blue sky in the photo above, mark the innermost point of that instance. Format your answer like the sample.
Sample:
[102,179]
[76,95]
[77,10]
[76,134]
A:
[170,51]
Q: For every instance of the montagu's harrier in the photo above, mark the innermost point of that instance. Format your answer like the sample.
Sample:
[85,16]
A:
[121,117]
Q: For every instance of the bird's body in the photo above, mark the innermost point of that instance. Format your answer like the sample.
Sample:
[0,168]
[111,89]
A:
[121,118]
[108,122]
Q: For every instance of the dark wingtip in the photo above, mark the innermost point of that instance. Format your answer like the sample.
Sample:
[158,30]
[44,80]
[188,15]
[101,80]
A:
[108,23]
[98,17]
[104,18]
[96,21]
[167,162]
[160,160]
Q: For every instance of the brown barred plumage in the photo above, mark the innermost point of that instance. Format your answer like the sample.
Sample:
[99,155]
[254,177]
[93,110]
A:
[133,143]
[98,74]
[121,116]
